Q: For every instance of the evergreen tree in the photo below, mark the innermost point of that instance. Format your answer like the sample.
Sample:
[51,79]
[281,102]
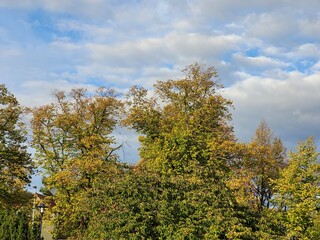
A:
[15,225]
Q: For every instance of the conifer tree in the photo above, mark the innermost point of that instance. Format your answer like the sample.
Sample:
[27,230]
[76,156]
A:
[15,225]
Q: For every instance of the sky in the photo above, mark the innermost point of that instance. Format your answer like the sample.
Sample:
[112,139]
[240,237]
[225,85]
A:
[266,53]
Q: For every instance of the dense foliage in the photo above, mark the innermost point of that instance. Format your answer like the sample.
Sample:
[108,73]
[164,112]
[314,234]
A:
[194,180]
[16,168]
[73,145]
[15,163]
[16,225]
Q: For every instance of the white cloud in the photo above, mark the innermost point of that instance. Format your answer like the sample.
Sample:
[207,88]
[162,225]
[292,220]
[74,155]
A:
[316,67]
[169,49]
[289,105]
[274,27]
[260,62]
[87,8]
[11,52]
[306,50]
[37,92]
[90,32]
[309,27]
[121,43]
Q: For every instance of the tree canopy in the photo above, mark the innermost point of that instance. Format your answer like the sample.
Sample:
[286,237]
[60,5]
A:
[74,146]
[194,179]
[182,123]
[15,162]
[298,193]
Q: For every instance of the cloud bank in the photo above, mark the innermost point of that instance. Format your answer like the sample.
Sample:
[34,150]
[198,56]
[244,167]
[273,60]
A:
[266,52]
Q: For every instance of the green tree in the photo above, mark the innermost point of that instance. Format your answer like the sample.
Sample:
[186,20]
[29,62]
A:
[178,134]
[187,140]
[144,205]
[298,192]
[74,146]
[15,225]
[128,207]
[15,163]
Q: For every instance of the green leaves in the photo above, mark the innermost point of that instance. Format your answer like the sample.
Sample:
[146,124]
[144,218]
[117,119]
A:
[16,225]
[74,146]
[15,163]
[189,144]
[264,157]
[298,191]
[193,180]
[178,131]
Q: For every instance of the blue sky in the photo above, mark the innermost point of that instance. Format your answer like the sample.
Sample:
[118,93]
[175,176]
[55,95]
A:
[266,52]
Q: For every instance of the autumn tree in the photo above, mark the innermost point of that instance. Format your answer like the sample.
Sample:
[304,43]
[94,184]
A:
[298,193]
[15,162]
[180,124]
[186,139]
[74,146]
[254,178]
[252,181]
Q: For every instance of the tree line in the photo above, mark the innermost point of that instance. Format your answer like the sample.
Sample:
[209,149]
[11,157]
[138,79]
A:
[194,179]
